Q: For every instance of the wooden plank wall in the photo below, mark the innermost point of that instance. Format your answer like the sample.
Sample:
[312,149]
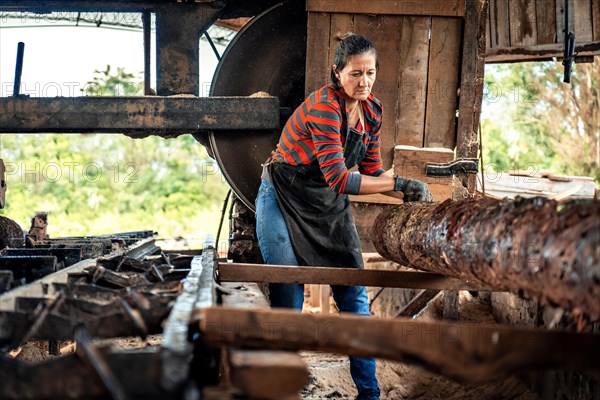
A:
[418,77]
[521,30]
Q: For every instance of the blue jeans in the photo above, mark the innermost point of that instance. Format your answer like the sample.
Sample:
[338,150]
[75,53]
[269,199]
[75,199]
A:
[276,249]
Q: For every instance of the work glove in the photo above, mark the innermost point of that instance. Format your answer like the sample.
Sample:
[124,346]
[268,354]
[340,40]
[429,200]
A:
[413,190]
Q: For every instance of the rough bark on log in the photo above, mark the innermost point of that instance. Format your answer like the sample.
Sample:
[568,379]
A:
[535,247]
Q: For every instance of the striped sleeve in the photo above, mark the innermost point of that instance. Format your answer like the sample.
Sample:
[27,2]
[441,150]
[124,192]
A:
[324,123]
[371,164]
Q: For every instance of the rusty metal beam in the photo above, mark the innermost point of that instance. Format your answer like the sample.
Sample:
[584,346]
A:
[137,115]
[466,352]
[536,247]
[232,272]
[178,31]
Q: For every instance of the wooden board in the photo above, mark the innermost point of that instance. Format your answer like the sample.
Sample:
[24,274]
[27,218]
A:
[448,8]
[596,20]
[413,81]
[238,272]
[545,11]
[385,33]
[523,28]
[471,88]
[442,83]
[411,162]
[582,20]
[539,52]
[317,45]
[374,198]
[500,27]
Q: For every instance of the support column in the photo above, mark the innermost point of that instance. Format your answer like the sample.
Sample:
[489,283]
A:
[178,31]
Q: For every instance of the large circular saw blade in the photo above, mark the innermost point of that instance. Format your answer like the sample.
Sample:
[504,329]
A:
[268,55]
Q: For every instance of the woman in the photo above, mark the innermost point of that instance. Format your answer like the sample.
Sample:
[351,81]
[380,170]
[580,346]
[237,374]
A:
[302,208]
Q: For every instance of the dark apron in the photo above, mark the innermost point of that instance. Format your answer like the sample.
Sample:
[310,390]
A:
[318,219]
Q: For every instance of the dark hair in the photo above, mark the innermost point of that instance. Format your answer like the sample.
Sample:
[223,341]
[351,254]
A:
[350,45]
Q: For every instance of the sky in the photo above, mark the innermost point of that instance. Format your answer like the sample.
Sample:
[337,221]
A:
[60,60]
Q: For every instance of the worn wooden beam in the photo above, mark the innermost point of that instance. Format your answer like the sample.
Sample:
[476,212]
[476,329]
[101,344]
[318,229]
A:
[466,352]
[178,31]
[418,303]
[232,272]
[261,374]
[471,83]
[147,115]
[441,8]
[539,52]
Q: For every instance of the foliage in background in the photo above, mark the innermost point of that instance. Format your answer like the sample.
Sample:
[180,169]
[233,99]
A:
[532,118]
[97,184]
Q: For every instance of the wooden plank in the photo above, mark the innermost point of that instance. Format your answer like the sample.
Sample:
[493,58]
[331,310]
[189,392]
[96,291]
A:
[442,83]
[596,20]
[418,303]
[410,114]
[471,87]
[317,51]
[411,162]
[500,29]
[545,11]
[385,33]
[261,374]
[340,24]
[560,19]
[374,198]
[582,20]
[522,22]
[540,52]
[134,114]
[466,352]
[442,8]
[237,272]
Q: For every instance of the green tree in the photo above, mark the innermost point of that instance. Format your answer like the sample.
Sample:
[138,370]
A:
[539,119]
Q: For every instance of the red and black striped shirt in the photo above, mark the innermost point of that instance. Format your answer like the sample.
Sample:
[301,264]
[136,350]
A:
[316,132]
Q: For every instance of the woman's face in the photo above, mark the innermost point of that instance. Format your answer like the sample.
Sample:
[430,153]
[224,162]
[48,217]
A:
[358,76]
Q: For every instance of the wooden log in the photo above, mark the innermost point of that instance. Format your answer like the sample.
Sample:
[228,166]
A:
[466,352]
[261,374]
[535,247]
[233,272]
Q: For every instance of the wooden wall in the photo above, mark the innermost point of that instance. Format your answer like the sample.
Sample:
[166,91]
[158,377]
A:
[418,77]
[424,61]
[521,30]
